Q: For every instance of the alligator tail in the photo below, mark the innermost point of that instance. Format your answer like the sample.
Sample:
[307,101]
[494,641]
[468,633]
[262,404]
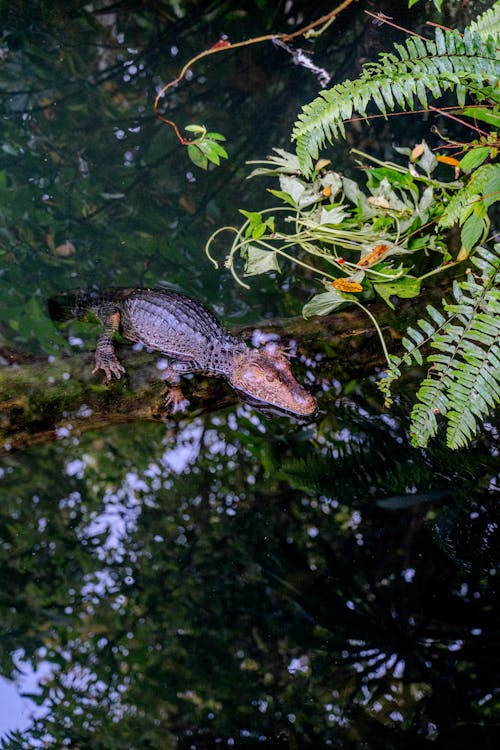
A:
[72,305]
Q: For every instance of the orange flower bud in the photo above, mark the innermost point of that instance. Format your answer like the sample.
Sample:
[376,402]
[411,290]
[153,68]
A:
[374,256]
[346,285]
[448,160]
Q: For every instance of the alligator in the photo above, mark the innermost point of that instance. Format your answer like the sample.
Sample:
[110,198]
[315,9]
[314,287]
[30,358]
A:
[191,339]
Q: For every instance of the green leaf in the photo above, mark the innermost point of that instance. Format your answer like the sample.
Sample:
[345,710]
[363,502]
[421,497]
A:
[461,94]
[474,158]
[254,221]
[257,227]
[213,151]
[324,303]
[197,157]
[258,231]
[260,261]
[472,231]
[254,217]
[491,185]
[196,129]
[215,137]
[377,174]
[285,197]
[490,116]
[406,288]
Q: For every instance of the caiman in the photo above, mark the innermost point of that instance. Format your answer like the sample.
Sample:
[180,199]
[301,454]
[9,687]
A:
[191,339]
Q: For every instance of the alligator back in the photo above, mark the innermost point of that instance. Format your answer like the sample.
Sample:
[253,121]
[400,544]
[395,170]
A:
[162,319]
[178,326]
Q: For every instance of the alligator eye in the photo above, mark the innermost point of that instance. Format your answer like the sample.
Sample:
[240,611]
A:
[251,373]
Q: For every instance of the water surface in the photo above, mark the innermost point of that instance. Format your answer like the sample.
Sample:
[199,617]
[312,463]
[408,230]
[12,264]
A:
[229,579]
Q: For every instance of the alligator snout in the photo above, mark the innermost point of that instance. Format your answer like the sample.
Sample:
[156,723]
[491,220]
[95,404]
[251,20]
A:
[267,378]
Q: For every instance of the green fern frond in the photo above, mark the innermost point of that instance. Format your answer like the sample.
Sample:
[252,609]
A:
[449,61]
[487,24]
[463,382]
[484,184]
[413,342]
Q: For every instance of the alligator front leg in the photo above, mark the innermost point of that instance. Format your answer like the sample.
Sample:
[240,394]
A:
[105,357]
[174,398]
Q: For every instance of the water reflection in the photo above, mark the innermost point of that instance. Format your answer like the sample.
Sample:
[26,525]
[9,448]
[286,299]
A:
[223,581]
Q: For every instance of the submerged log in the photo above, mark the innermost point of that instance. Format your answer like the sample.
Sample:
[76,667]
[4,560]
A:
[44,399]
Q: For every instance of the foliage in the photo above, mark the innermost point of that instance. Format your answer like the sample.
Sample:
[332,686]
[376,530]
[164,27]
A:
[389,242]
[488,23]
[469,205]
[463,382]
[437,3]
[342,235]
[205,147]
[450,62]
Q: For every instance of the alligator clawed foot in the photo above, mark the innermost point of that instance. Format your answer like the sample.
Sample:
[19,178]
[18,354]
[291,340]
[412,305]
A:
[174,400]
[110,366]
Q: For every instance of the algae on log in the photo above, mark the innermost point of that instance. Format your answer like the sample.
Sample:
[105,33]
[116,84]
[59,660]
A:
[46,399]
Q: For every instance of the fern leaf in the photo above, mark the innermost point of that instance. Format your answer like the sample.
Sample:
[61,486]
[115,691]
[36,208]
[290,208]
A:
[463,380]
[463,383]
[487,24]
[415,67]
[436,316]
[484,182]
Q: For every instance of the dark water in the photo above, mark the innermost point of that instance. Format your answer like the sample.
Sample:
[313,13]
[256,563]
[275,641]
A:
[230,580]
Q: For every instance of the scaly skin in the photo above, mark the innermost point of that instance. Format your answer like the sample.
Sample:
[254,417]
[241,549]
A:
[192,340]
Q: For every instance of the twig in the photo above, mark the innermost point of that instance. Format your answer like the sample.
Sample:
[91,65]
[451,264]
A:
[324,19]
[224,45]
[438,26]
[384,19]
[457,119]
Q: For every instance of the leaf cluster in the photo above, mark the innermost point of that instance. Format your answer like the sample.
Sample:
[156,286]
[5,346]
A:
[463,381]
[352,241]
[419,67]
[206,147]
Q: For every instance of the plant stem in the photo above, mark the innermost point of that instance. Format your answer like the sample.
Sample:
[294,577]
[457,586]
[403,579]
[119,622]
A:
[377,328]
[395,167]
[439,269]
[211,238]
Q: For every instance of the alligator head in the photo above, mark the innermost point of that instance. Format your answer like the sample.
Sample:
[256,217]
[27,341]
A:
[265,377]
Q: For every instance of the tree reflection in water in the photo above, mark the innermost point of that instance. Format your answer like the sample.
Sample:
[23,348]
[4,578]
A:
[247,584]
